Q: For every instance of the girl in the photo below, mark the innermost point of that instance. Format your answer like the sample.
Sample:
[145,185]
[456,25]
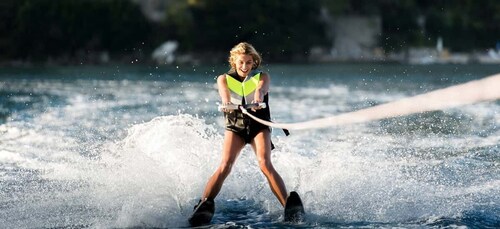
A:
[244,85]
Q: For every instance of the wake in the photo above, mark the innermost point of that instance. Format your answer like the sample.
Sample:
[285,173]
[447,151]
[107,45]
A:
[486,89]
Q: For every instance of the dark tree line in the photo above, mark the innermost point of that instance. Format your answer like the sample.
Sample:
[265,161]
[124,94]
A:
[280,29]
[35,30]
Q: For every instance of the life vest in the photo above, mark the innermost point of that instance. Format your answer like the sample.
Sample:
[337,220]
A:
[243,92]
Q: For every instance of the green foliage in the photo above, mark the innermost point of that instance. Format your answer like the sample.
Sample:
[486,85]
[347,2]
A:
[277,28]
[57,27]
[466,25]
[400,26]
[8,14]
[281,30]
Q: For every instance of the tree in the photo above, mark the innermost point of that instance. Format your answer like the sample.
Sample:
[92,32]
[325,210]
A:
[58,28]
[277,28]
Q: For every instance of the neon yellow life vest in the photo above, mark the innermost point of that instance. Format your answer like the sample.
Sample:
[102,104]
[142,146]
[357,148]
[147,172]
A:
[242,92]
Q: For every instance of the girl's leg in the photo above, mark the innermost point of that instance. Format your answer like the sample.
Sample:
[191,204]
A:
[261,144]
[230,151]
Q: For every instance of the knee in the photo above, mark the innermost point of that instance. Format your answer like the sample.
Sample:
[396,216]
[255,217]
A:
[225,168]
[265,165]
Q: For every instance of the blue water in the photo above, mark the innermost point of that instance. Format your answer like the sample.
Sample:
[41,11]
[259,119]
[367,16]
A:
[132,146]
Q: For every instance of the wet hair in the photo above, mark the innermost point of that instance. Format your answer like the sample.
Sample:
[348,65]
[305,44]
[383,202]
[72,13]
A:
[247,49]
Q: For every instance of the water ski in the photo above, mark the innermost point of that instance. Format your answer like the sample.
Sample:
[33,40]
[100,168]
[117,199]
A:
[294,210]
[202,213]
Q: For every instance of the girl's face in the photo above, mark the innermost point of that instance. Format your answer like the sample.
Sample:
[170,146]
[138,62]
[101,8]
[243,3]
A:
[244,64]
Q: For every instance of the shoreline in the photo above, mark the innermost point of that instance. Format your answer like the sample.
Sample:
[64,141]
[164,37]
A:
[45,64]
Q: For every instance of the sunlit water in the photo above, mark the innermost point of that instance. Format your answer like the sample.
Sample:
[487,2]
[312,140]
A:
[119,147]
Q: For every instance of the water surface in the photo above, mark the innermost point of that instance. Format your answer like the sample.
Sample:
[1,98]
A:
[122,146]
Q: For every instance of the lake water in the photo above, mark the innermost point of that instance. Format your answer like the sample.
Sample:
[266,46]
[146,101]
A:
[133,146]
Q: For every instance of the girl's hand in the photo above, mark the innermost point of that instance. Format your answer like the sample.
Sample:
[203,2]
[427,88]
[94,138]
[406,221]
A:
[226,104]
[258,107]
[258,98]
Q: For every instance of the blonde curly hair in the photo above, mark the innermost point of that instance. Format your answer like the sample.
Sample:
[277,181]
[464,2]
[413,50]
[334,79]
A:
[247,49]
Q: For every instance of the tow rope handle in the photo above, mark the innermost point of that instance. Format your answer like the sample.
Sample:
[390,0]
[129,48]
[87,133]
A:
[240,107]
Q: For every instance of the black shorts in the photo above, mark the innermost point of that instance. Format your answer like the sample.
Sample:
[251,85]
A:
[243,126]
